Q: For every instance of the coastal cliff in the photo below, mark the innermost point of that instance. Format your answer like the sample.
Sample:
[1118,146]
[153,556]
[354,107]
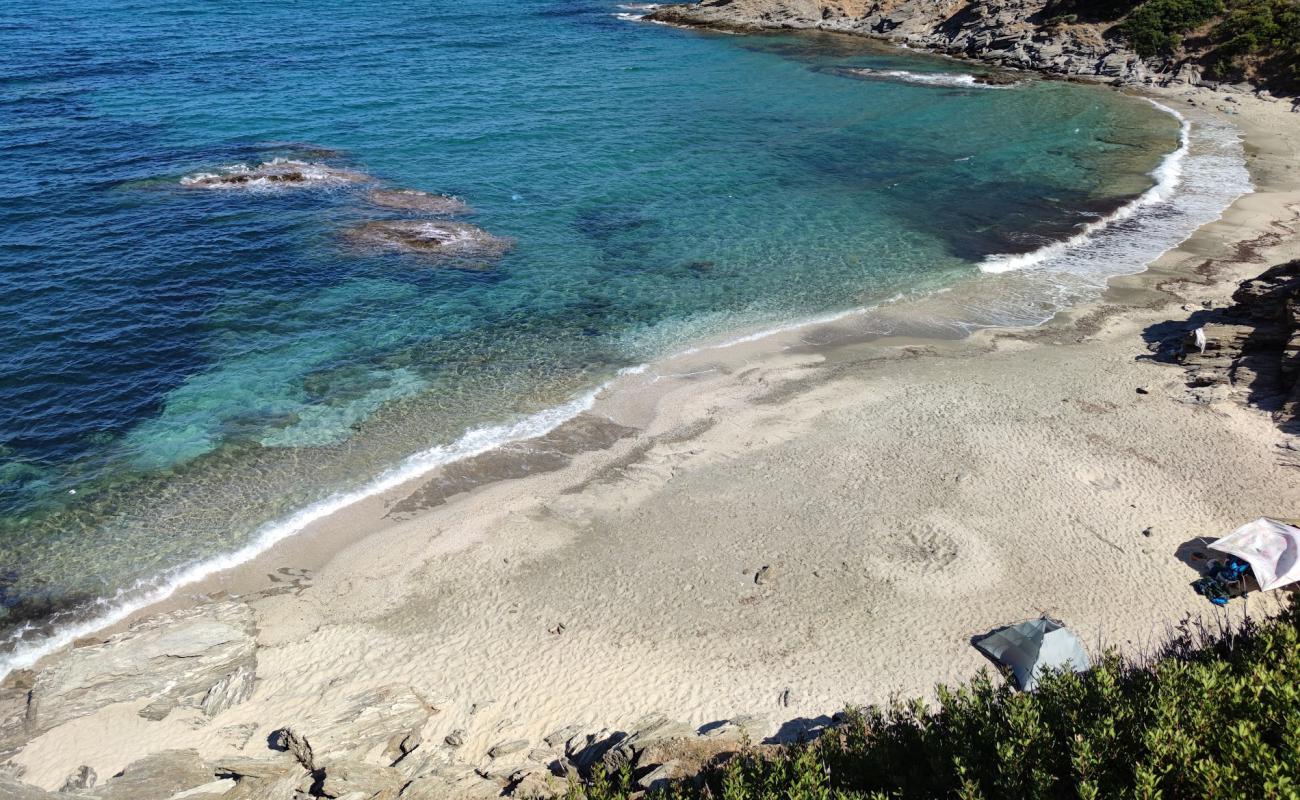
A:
[1105,41]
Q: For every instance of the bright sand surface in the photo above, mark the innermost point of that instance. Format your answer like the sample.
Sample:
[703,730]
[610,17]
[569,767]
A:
[905,494]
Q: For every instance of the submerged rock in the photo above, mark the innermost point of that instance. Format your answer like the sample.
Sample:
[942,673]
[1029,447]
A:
[438,238]
[415,200]
[278,172]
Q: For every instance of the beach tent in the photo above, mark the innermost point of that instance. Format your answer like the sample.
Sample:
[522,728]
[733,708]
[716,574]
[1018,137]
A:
[1271,548]
[1030,647]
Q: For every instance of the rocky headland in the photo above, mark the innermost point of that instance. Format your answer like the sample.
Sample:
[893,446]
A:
[1017,34]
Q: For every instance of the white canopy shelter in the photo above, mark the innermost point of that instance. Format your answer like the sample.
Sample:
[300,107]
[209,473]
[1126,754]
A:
[1271,548]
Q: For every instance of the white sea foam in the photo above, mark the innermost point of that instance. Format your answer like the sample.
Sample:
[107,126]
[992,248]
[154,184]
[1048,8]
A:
[960,80]
[278,173]
[1193,185]
[108,611]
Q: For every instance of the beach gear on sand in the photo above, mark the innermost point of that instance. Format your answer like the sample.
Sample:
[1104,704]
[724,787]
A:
[1270,548]
[1030,647]
[1224,581]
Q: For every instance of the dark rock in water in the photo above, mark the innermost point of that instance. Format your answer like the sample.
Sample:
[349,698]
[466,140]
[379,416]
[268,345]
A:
[278,172]
[415,200]
[439,238]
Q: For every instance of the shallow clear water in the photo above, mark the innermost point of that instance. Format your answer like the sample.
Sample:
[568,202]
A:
[182,365]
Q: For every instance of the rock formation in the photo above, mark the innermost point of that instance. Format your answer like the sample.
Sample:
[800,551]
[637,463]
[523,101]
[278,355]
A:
[1022,34]
[463,244]
[278,172]
[202,658]
[415,200]
[1252,347]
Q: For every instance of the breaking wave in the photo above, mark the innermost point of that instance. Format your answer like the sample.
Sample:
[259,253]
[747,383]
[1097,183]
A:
[1193,185]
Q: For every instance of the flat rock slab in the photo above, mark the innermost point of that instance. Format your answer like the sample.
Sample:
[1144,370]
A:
[156,777]
[171,658]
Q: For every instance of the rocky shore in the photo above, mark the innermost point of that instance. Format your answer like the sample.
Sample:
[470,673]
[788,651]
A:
[1015,34]
[375,744]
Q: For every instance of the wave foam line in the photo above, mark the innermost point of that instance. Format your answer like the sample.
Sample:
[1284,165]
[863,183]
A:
[956,79]
[1168,174]
[143,594]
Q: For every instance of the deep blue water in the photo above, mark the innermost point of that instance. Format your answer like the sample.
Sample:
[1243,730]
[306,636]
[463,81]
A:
[180,365]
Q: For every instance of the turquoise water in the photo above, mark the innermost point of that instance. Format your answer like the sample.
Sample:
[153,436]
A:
[182,365]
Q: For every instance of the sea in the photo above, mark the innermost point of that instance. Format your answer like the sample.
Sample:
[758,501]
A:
[197,360]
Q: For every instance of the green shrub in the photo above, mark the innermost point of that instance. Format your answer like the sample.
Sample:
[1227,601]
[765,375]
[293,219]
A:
[1157,26]
[1215,716]
[1263,31]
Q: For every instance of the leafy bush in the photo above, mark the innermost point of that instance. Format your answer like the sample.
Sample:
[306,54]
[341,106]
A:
[1089,10]
[1263,31]
[1216,716]
[1157,26]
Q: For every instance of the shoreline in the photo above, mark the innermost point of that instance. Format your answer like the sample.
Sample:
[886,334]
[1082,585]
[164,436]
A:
[376,570]
[485,438]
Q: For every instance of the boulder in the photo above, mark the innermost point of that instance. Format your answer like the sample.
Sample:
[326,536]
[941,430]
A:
[659,778]
[82,778]
[536,785]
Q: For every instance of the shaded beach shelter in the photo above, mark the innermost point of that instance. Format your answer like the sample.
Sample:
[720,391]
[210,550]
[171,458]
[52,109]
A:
[1271,548]
[1030,647]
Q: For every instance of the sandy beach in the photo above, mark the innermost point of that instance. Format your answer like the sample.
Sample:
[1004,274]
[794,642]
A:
[772,529]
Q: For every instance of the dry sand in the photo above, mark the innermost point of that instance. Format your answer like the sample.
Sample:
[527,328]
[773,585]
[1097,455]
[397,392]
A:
[904,495]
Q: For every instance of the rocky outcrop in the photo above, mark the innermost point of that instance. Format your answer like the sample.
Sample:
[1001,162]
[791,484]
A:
[1248,351]
[278,172]
[1020,34]
[456,243]
[415,200]
[201,658]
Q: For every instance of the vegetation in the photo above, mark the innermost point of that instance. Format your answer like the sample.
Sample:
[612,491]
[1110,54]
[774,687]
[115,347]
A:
[1263,35]
[1235,39]
[1216,715]
[1157,26]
